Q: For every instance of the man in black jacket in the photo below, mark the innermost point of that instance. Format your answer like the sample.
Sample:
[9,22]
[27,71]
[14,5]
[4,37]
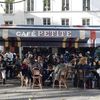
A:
[98,73]
[2,69]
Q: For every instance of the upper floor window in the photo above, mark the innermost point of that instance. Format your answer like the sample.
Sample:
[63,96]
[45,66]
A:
[30,5]
[9,8]
[65,21]
[30,21]
[86,5]
[85,21]
[46,21]
[46,5]
[65,5]
[8,22]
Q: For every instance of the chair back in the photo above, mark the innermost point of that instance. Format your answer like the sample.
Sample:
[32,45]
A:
[63,73]
[81,74]
[36,72]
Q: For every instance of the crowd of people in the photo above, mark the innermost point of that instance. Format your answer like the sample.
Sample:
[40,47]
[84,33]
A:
[50,66]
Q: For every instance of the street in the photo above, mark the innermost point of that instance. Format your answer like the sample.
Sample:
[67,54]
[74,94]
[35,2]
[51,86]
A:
[13,91]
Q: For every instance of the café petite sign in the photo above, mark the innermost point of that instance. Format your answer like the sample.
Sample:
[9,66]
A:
[44,33]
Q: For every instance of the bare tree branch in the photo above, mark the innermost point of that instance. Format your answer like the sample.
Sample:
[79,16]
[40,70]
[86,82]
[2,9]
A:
[13,2]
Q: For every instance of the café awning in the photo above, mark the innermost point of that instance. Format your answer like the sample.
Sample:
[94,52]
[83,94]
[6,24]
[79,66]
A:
[53,36]
[55,42]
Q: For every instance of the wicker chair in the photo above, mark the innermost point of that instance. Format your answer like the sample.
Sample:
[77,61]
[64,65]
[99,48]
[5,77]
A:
[62,78]
[37,77]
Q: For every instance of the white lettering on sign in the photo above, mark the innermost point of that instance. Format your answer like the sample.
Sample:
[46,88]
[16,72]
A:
[43,33]
[69,34]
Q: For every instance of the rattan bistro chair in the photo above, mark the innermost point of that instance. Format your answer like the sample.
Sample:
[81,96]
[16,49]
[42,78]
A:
[62,78]
[37,77]
[81,78]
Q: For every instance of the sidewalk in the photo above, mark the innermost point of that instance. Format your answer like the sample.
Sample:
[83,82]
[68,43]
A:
[13,91]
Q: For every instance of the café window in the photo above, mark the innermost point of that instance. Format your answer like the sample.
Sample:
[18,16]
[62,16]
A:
[46,21]
[85,21]
[86,5]
[65,21]
[30,5]
[46,5]
[65,5]
[30,21]
[8,8]
[8,22]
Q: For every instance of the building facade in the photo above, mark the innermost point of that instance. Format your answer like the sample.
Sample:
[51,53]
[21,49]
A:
[50,12]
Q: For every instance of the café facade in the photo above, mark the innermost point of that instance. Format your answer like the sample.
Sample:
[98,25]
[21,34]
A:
[21,36]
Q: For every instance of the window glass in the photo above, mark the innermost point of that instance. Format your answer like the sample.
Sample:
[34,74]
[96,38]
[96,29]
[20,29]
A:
[9,8]
[46,21]
[86,5]
[30,21]
[65,5]
[65,21]
[30,5]
[8,22]
[86,22]
[46,5]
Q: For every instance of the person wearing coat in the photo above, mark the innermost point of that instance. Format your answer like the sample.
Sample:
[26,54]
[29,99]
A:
[3,69]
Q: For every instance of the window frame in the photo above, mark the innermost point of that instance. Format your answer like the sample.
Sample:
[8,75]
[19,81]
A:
[65,5]
[31,21]
[46,3]
[29,5]
[85,21]
[9,7]
[8,22]
[86,5]
[64,21]
[47,21]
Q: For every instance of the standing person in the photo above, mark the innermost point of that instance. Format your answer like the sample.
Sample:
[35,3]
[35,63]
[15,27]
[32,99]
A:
[25,72]
[3,69]
[98,73]
[17,67]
